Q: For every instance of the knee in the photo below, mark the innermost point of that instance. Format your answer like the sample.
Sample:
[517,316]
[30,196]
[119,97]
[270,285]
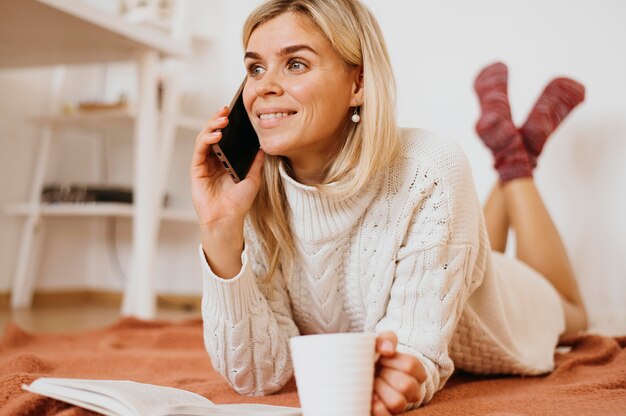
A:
[576,318]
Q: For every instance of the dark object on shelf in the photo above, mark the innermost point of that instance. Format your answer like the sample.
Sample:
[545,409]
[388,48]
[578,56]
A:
[88,193]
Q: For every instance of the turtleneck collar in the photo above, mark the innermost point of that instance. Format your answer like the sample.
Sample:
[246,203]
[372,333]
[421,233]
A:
[317,217]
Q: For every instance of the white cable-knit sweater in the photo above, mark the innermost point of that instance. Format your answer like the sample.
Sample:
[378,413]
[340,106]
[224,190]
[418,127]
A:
[409,254]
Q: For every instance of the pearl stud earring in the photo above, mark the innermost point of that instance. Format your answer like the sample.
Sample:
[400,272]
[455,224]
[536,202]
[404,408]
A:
[355,116]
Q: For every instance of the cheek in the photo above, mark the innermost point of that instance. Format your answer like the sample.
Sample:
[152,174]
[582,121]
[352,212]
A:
[320,99]
[302,92]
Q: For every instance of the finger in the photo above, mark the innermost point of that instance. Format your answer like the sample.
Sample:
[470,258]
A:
[213,125]
[209,126]
[216,123]
[401,382]
[407,364]
[393,400]
[386,343]
[202,149]
[379,408]
[209,135]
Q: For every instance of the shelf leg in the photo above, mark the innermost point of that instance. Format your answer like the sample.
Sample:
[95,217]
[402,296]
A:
[32,232]
[28,253]
[27,263]
[167,127]
[139,293]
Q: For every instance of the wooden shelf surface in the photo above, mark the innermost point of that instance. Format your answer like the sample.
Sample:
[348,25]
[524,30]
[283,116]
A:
[113,119]
[92,209]
[56,32]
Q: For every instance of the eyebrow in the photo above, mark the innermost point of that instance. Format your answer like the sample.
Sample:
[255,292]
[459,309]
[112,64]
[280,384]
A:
[287,50]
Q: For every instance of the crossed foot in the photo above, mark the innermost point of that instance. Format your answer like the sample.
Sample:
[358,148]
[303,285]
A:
[515,150]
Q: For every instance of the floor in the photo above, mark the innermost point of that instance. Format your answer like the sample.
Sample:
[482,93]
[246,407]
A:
[58,318]
[52,319]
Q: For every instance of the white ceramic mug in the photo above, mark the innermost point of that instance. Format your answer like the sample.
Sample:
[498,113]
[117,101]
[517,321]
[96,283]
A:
[335,373]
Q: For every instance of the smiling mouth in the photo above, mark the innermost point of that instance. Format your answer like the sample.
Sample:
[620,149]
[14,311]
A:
[272,116]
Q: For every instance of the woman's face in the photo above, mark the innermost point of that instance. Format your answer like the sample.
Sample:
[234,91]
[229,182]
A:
[299,90]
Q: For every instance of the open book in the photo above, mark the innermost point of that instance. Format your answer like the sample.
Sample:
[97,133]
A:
[129,398]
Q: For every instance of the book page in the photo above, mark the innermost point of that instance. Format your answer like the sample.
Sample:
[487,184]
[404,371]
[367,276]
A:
[123,397]
[117,395]
[262,409]
[247,409]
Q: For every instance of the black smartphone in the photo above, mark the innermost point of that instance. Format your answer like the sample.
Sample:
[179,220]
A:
[239,143]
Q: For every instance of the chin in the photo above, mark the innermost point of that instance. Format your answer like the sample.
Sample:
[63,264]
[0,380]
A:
[274,146]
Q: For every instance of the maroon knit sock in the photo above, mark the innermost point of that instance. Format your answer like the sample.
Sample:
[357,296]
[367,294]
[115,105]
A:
[554,104]
[495,126]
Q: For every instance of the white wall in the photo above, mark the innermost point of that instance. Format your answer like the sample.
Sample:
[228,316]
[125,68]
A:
[437,48]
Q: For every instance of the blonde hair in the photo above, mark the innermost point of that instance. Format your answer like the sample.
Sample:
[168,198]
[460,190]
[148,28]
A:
[370,146]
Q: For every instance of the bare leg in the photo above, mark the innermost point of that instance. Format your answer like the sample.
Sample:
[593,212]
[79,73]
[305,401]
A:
[497,219]
[518,202]
[539,246]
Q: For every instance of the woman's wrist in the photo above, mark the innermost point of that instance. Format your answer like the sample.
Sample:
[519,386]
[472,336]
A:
[222,249]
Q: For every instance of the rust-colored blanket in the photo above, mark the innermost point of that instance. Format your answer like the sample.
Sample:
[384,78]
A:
[589,380]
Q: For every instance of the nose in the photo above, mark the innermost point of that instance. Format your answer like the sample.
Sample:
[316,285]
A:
[269,84]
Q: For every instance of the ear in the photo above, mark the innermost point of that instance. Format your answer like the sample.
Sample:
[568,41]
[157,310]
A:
[357,88]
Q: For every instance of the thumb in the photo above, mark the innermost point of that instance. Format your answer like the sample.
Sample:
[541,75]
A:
[386,343]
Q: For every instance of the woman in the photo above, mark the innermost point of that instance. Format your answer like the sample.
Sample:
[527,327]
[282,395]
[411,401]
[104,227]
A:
[346,223]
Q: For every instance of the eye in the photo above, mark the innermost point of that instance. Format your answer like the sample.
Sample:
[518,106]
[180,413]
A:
[255,70]
[296,65]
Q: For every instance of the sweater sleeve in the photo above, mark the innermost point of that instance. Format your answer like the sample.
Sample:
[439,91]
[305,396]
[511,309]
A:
[247,326]
[429,291]
[436,269]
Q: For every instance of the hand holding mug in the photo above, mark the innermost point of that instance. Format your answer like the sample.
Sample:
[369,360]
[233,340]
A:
[398,378]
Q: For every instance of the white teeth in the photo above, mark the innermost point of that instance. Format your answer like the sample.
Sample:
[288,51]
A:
[273,116]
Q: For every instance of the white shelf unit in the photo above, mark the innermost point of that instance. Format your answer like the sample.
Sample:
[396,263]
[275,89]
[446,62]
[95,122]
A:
[66,32]
[91,209]
[113,119]
[61,32]
[102,120]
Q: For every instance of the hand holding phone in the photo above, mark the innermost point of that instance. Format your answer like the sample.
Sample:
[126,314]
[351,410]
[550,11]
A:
[221,204]
[228,142]
[239,143]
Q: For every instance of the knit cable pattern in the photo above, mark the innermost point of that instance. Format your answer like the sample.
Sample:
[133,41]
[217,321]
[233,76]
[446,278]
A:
[408,254]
